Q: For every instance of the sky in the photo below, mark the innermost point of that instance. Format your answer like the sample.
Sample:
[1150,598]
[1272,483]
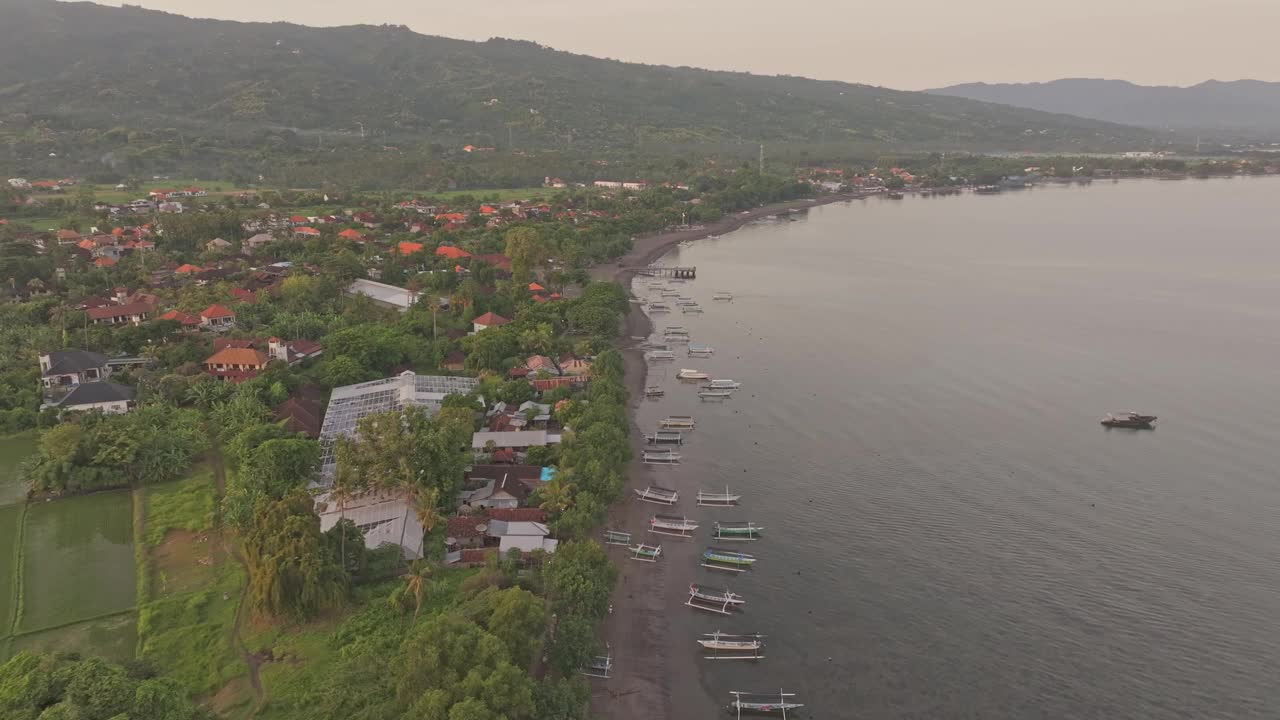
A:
[904,44]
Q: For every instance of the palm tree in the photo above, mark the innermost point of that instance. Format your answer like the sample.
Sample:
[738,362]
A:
[425,507]
[433,303]
[341,494]
[556,496]
[417,581]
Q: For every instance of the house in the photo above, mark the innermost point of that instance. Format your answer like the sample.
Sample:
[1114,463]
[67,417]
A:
[292,352]
[216,317]
[531,476]
[256,242]
[382,294]
[236,364]
[184,319]
[452,253]
[68,237]
[488,320]
[302,412]
[385,518]
[105,397]
[471,538]
[409,248]
[188,269]
[542,363]
[130,314]
[524,536]
[104,262]
[217,244]
[352,235]
[306,232]
[505,491]
[573,365]
[518,441]
[62,368]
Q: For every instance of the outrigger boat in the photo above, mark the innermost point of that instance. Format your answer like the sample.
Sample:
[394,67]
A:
[670,293]
[763,703]
[601,666]
[654,392]
[716,600]
[687,374]
[721,559]
[659,355]
[665,437]
[684,301]
[658,495]
[659,307]
[675,525]
[733,647]
[690,309]
[617,537]
[675,330]
[676,338]
[715,394]
[737,531]
[725,384]
[677,422]
[646,553]
[661,457]
[724,499]
[696,350]
[723,296]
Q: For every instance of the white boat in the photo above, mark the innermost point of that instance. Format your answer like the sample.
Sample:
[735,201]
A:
[654,392]
[678,339]
[617,537]
[665,437]
[696,350]
[661,457]
[723,385]
[670,294]
[675,330]
[646,553]
[677,526]
[710,599]
[763,703]
[724,499]
[658,495]
[723,296]
[677,422]
[659,355]
[732,647]
[687,374]
[714,395]
[659,307]
[690,309]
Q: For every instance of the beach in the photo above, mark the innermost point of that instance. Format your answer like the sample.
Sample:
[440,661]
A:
[650,632]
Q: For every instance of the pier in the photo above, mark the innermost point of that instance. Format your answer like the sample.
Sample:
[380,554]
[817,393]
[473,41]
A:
[688,273]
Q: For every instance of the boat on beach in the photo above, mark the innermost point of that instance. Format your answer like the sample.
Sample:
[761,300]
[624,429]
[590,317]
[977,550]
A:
[691,309]
[674,525]
[600,666]
[670,293]
[763,703]
[659,355]
[730,560]
[658,495]
[646,553]
[660,457]
[712,599]
[681,339]
[654,392]
[696,350]
[1131,420]
[715,499]
[676,422]
[665,437]
[724,646]
[736,531]
[711,395]
[659,307]
[724,384]
[617,537]
[687,374]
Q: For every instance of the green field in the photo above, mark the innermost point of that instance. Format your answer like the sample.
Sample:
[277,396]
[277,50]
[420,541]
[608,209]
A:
[112,637]
[78,560]
[10,522]
[13,450]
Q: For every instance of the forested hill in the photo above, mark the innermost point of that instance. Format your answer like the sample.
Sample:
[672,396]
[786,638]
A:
[66,65]
[1250,108]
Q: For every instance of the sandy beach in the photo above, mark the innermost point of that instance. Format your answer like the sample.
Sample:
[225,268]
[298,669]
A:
[650,631]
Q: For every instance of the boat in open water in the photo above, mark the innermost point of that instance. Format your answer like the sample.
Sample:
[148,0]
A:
[713,395]
[691,309]
[737,531]
[646,553]
[729,560]
[723,384]
[723,296]
[687,374]
[723,646]
[698,350]
[716,499]
[658,495]
[661,457]
[713,599]
[676,422]
[665,437]
[778,703]
[674,525]
[1131,420]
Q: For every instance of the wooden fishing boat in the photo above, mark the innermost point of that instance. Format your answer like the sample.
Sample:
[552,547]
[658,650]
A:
[674,525]
[724,499]
[670,293]
[732,647]
[659,307]
[728,560]
[723,384]
[675,330]
[617,537]
[646,553]
[677,422]
[659,355]
[763,703]
[688,374]
[696,350]
[691,309]
[679,339]
[665,437]
[737,531]
[658,495]
[716,600]
[600,666]
[723,296]
[713,395]
[654,392]
[661,457]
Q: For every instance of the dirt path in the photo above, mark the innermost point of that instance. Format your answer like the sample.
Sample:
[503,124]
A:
[253,661]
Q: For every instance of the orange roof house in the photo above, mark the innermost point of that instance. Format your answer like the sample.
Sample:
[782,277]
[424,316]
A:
[306,232]
[188,269]
[487,321]
[535,287]
[451,217]
[185,319]
[236,364]
[245,296]
[488,210]
[353,235]
[409,248]
[451,252]
[216,316]
[104,262]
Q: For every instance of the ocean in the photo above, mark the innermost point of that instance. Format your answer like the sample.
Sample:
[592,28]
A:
[950,533]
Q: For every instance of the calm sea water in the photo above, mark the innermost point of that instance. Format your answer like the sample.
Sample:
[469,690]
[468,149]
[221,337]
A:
[951,534]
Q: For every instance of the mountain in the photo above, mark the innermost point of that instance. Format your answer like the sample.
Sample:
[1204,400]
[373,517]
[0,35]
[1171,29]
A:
[70,65]
[1245,107]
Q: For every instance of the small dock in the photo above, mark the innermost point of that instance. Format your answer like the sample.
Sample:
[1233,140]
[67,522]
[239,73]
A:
[687,273]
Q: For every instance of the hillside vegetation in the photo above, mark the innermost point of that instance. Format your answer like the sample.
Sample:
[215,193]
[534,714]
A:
[76,66]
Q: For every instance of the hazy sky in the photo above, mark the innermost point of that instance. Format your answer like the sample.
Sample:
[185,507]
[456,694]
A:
[908,44]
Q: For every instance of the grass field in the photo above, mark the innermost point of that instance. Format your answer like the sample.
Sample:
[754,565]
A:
[111,637]
[183,505]
[10,531]
[13,450]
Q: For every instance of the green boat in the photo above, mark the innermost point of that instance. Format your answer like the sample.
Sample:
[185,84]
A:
[721,559]
[737,531]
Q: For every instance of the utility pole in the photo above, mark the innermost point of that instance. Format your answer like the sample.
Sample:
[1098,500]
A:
[761,158]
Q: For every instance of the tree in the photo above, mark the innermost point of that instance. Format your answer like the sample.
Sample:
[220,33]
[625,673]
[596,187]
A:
[580,579]
[450,660]
[518,619]
[561,699]
[416,581]
[556,496]
[527,251]
[538,339]
[292,572]
[161,699]
[574,645]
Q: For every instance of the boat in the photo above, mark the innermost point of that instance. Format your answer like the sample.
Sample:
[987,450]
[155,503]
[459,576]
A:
[711,599]
[690,309]
[724,499]
[725,384]
[659,355]
[665,437]
[675,330]
[732,647]
[1130,420]
[676,338]
[677,422]
[763,703]
[987,189]
[723,296]
[654,392]
[658,495]
[659,307]
[646,553]
[736,531]
[687,374]
[676,525]
[617,537]
[670,293]
[600,666]
[715,394]
[894,195]
[721,559]
[661,457]
[696,350]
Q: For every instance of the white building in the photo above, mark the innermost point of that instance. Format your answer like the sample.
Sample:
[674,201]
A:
[384,518]
[107,397]
[383,294]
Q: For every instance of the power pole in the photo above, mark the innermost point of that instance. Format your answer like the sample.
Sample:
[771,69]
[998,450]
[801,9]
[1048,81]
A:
[761,158]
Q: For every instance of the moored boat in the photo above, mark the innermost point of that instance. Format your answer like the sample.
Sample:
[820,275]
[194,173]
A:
[660,457]
[677,422]
[713,599]
[737,531]
[723,296]
[716,499]
[687,374]
[675,525]
[654,392]
[658,495]
[646,553]
[723,646]
[696,350]
[665,437]
[691,309]
[659,307]
[617,537]
[659,355]
[724,384]
[715,394]
[763,703]
[721,559]
[1130,420]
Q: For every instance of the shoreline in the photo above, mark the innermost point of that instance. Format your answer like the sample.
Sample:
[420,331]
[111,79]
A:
[655,666]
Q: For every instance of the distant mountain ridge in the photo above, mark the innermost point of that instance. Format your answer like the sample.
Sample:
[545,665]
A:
[79,65]
[1247,107]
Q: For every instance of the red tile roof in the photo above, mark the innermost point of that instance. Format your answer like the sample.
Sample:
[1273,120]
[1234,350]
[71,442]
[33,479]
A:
[188,268]
[491,319]
[518,514]
[238,356]
[306,231]
[476,556]
[244,295]
[214,312]
[350,234]
[104,262]
[466,526]
[409,248]
[535,287]
[181,317]
[102,313]
[453,253]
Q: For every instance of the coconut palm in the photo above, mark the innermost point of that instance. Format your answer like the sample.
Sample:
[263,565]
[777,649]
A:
[341,495]
[556,496]
[418,582]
